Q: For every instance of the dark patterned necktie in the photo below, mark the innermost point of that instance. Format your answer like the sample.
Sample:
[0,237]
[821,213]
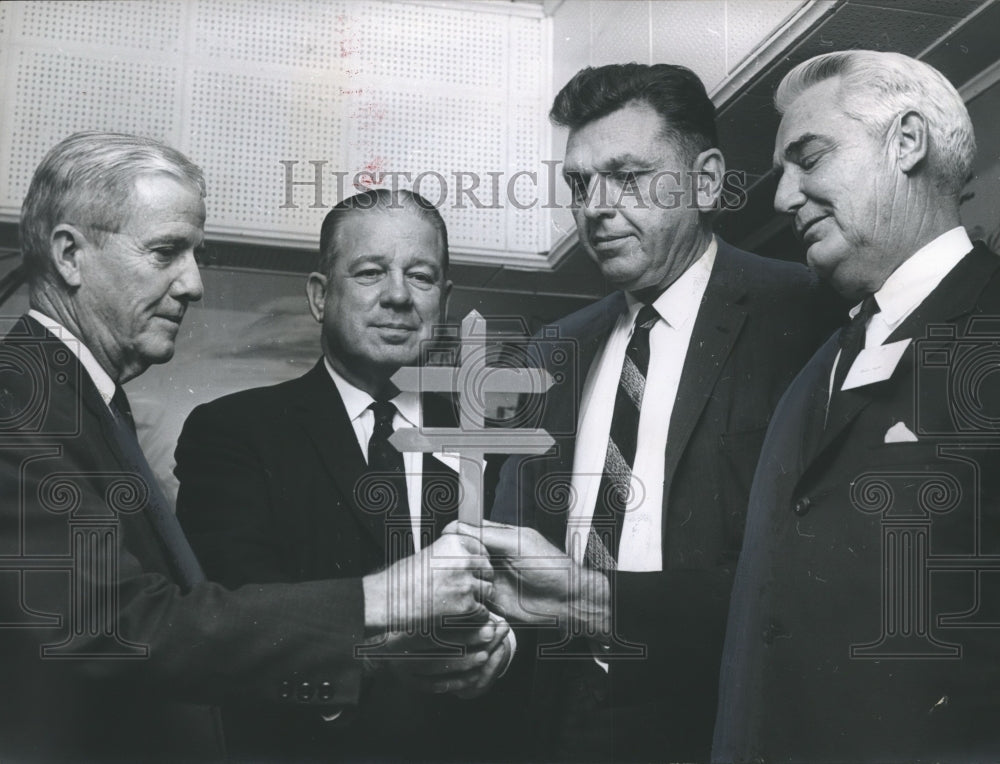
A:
[121,409]
[852,342]
[385,461]
[615,488]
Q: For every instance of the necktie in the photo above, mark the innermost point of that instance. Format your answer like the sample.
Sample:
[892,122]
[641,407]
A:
[121,408]
[179,554]
[852,342]
[613,494]
[387,463]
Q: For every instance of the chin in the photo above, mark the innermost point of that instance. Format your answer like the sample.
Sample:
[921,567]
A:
[160,353]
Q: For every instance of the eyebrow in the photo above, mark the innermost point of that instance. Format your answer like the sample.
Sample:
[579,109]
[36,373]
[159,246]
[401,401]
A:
[795,149]
[172,240]
[611,164]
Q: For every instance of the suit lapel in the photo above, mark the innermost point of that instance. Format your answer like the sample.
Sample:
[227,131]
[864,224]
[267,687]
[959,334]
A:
[562,410]
[954,297]
[320,412]
[717,325]
[122,445]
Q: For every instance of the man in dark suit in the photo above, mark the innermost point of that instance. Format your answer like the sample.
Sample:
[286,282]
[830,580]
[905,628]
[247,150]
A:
[863,624]
[276,483]
[112,642]
[658,422]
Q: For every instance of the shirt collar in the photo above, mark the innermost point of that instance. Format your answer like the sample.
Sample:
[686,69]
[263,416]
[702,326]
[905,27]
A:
[101,379]
[911,282]
[679,302]
[357,401]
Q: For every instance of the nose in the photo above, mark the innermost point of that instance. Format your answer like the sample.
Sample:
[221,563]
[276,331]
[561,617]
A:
[788,197]
[187,287]
[596,204]
[396,290]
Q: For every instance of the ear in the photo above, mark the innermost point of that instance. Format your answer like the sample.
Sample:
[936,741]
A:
[67,246]
[709,173]
[316,295]
[911,140]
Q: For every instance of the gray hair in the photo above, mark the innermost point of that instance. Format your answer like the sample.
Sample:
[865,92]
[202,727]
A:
[88,180]
[877,87]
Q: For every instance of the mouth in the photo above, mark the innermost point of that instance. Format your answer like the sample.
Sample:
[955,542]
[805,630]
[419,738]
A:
[606,243]
[804,229]
[174,319]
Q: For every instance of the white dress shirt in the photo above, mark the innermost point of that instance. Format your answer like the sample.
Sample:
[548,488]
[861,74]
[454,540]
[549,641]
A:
[408,414]
[101,379]
[641,543]
[910,284]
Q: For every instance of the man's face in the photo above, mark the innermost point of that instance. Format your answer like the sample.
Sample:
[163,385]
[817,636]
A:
[386,291]
[840,184]
[134,290]
[632,198]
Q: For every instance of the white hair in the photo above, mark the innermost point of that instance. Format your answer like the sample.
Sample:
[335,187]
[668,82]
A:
[877,87]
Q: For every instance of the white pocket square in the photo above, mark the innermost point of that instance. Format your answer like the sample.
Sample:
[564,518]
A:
[900,433]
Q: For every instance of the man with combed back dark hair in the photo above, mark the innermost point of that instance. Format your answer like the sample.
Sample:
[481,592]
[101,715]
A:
[864,624]
[289,483]
[113,644]
[641,505]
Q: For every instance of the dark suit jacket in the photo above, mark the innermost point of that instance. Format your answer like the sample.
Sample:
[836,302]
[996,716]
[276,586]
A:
[103,652]
[758,323]
[864,621]
[268,493]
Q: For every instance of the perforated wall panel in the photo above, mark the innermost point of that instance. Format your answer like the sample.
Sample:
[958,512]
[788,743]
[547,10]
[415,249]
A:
[436,46]
[57,94]
[621,32]
[457,92]
[279,118]
[692,34]
[4,19]
[292,34]
[153,26]
[750,22]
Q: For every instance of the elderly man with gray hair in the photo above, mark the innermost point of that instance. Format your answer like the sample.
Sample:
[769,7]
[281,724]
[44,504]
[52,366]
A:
[113,645]
[863,618]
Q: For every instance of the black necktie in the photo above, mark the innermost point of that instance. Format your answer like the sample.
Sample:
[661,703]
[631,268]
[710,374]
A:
[387,463]
[180,556]
[121,408]
[615,488]
[852,341]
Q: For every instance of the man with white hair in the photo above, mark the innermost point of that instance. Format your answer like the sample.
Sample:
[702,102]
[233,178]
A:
[113,645]
[860,625]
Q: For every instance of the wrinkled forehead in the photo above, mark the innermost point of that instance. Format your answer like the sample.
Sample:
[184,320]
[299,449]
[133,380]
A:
[815,111]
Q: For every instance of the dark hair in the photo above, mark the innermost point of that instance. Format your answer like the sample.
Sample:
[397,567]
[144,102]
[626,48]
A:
[675,92]
[381,199]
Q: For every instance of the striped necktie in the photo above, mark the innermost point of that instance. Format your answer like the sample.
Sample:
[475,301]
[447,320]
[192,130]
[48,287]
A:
[615,488]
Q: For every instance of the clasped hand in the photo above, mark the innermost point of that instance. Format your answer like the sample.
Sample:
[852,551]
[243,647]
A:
[428,618]
[534,582]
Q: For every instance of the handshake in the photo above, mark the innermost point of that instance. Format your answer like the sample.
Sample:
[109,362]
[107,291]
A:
[441,616]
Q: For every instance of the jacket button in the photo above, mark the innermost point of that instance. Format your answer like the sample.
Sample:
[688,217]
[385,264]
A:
[285,691]
[304,692]
[802,506]
[325,691]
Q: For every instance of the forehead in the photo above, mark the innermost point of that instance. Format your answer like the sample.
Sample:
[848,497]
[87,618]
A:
[159,200]
[816,111]
[383,232]
[635,131]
